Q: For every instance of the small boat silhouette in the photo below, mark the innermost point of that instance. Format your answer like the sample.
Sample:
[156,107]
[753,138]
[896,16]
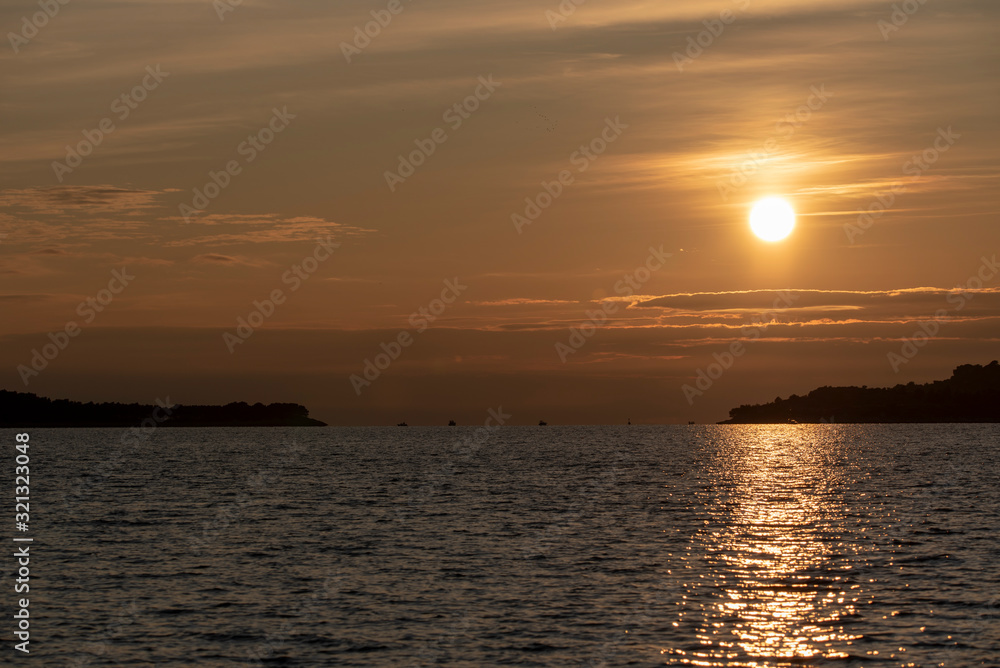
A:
[402,424]
[542,423]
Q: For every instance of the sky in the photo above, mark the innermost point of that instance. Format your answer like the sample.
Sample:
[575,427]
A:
[523,206]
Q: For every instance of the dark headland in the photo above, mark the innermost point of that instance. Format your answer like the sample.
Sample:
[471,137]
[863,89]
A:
[972,394]
[22,410]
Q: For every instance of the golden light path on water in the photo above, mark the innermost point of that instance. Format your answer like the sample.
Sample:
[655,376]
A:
[772,584]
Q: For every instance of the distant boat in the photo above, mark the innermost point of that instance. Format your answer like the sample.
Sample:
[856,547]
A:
[690,421]
[542,423]
[402,424]
[452,423]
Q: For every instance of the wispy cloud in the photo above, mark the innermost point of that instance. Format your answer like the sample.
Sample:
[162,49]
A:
[81,200]
[522,301]
[229,260]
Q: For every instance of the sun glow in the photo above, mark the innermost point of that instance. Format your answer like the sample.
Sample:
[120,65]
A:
[772,219]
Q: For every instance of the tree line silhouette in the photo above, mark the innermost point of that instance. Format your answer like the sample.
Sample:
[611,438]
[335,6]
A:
[972,394]
[22,410]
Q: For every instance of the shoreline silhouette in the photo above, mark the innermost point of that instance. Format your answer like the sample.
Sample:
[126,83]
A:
[26,410]
[972,394]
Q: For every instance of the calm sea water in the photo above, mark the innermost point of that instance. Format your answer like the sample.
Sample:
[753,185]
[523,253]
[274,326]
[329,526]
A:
[832,545]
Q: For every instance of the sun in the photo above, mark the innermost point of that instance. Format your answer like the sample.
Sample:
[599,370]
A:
[772,219]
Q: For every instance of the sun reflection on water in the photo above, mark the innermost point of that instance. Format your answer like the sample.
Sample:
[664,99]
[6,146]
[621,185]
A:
[771,585]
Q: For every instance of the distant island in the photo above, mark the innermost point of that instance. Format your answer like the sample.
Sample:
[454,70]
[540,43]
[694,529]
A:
[972,394]
[22,410]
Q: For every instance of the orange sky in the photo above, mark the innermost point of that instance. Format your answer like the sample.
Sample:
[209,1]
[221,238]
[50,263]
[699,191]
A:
[837,107]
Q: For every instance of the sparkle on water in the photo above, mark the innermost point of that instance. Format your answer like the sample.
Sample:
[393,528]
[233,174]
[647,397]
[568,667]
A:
[727,546]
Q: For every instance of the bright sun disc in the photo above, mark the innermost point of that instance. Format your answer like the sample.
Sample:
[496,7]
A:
[772,219]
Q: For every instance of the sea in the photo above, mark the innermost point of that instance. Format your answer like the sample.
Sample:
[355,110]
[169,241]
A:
[750,546]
